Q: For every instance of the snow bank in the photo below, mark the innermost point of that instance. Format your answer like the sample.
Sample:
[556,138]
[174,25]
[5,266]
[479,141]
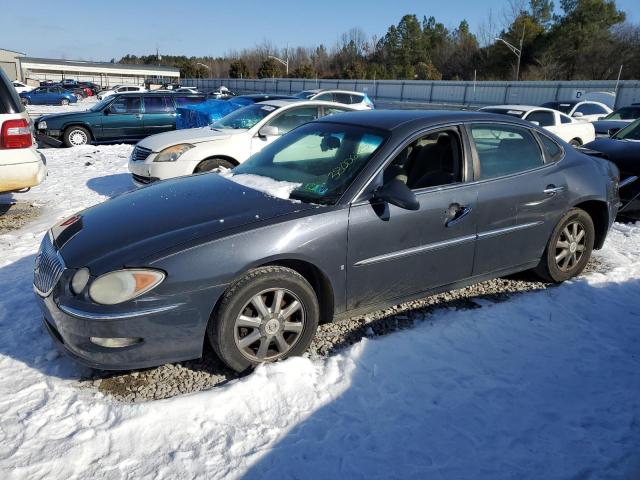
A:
[275,188]
[544,385]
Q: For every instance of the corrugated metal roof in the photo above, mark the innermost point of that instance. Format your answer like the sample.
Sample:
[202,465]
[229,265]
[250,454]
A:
[81,63]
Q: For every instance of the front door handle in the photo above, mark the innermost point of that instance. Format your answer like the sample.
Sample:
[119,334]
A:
[552,190]
[456,213]
[138,116]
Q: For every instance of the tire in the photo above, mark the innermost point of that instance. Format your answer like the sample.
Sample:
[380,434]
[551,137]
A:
[572,259]
[64,102]
[211,164]
[26,101]
[238,318]
[575,142]
[76,136]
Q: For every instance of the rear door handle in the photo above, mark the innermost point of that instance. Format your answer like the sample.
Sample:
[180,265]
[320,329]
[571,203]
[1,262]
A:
[552,190]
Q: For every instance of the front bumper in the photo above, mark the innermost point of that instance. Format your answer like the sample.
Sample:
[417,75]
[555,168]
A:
[147,171]
[163,336]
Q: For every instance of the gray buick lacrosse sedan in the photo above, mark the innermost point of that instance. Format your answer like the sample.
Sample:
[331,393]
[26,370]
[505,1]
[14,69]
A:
[343,215]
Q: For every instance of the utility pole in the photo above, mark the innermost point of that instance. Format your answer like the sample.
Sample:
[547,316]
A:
[517,51]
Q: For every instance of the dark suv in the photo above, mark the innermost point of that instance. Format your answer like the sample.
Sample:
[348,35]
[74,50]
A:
[126,117]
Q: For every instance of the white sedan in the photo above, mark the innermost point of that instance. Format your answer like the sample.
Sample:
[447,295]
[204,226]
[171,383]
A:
[357,100]
[22,87]
[120,89]
[588,110]
[225,143]
[571,131]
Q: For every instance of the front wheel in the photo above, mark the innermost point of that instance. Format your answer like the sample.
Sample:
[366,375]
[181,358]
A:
[211,164]
[569,247]
[76,137]
[269,314]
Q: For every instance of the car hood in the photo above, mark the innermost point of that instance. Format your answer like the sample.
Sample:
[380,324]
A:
[623,153]
[128,229]
[161,141]
[61,117]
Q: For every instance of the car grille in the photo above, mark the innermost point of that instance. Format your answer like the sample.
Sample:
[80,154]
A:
[140,154]
[48,267]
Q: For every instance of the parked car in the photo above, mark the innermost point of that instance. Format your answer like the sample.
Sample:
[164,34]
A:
[584,110]
[21,165]
[571,131]
[344,215]
[80,93]
[617,120]
[358,100]
[22,87]
[48,96]
[95,89]
[623,149]
[125,117]
[221,93]
[226,142]
[120,89]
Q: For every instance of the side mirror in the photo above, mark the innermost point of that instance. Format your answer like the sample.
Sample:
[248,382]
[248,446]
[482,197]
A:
[268,131]
[613,131]
[577,115]
[397,193]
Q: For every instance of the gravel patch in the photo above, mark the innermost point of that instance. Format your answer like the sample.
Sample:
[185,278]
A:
[15,216]
[208,372]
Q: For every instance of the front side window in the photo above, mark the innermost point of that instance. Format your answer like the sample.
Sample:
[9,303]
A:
[293,118]
[542,117]
[590,109]
[126,105]
[326,97]
[505,149]
[625,113]
[322,158]
[432,160]
[158,105]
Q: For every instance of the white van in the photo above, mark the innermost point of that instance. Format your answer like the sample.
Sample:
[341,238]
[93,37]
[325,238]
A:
[21,165]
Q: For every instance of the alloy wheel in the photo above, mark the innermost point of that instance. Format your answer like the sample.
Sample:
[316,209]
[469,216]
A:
[77,138]
[570,245]
[269,325]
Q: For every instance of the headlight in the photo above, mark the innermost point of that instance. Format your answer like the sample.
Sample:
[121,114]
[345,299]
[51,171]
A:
[79,280]
[42,125]
[171,154]
[122,285]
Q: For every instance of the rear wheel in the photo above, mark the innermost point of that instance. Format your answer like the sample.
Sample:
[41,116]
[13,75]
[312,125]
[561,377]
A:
[569,247]
[575,142]
[211,164]
[76,136]
[64,101]
[270,314]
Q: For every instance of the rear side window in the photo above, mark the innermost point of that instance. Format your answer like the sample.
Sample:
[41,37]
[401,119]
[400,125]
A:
[544,119]
[347,98]
[158,105]
[565,119]
[551,148]
[327,97]
[505,149]
[9,99]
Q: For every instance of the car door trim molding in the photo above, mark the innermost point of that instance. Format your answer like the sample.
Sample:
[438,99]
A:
[443,244]
[414,250]
[502,231]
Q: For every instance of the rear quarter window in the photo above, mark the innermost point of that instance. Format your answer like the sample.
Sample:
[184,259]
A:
[552,150]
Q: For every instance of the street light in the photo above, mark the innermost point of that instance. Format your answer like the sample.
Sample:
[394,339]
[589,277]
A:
[205,66]
[284,62]
[517,51]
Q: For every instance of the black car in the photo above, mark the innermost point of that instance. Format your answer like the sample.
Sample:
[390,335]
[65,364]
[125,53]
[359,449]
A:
[91,86]
[623,149]
[616,120]
[124,117]
[76,90]
[343,215]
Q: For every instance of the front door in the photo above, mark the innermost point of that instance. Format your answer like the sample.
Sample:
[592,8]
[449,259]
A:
[520,196]
[159,114]
[123,119]
[395,253]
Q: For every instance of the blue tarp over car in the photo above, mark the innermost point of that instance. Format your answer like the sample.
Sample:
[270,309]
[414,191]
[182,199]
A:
[205,113]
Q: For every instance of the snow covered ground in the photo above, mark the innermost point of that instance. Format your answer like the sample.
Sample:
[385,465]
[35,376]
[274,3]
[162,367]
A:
[543,385]
[79,106]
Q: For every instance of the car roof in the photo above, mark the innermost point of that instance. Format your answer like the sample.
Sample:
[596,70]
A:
[165,92]
[351,92]
[287,102]
[395,119]
[523,108]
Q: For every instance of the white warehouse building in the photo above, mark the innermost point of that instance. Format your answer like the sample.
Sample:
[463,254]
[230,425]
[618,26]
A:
[102,73]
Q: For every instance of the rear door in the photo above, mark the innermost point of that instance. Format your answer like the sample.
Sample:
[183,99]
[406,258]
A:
[123,119]
[521,195]
[159,114]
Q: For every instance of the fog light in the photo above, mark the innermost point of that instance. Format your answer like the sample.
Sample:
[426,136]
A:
[115,342]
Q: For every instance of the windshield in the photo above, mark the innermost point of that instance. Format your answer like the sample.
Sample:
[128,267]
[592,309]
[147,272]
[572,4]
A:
[321,159]
[503,111]
[630,132]
[625,113]
[245,117]
[305,95]
[101,104]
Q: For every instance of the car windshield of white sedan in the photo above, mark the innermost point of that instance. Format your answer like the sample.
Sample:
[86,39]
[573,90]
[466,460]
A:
[100,105]
[245,117]
[322,159]
[630,132]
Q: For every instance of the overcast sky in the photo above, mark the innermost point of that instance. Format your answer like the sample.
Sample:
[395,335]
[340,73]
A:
[111,29]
